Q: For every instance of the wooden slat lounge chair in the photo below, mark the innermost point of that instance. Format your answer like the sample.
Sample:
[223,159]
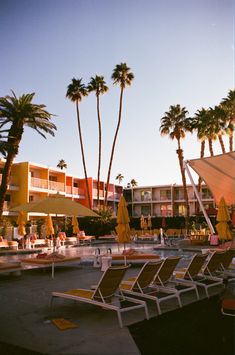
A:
[165,279]
[106,294]
[142,286]
[193,273]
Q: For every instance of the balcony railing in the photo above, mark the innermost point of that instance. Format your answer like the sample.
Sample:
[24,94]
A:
[57,186]
[39,183]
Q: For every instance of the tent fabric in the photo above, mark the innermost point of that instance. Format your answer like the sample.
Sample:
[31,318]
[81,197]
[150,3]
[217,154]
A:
[218,172]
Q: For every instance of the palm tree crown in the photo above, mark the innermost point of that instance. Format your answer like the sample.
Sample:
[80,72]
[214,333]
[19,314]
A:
[62,164]
[119,177]
[15,114]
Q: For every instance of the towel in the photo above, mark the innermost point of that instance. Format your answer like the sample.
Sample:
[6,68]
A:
[64,324]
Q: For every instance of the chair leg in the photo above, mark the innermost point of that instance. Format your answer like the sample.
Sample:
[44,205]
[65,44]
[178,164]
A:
[119,319]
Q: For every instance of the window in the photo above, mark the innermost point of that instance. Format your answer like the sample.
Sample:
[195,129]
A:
[145,210]
[53,178]
[165,194]
[31,198]
[166,210]
[146,195]
[179,194]
[206,194]
[75,184]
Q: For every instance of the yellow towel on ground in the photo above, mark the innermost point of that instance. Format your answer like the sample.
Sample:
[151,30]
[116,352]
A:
[64,324]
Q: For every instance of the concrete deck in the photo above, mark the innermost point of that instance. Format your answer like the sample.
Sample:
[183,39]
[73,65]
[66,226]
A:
[25,315]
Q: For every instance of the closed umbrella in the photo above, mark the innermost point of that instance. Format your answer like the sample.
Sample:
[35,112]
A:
[123,228]
[21,220]
[75,225]
[142,222]
[149,223]
[49,226]
[223,218]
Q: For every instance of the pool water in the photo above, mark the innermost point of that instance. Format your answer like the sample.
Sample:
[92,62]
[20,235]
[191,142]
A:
[87,253]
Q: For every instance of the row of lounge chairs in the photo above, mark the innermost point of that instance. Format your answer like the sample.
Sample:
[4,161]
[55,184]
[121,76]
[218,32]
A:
[157,281]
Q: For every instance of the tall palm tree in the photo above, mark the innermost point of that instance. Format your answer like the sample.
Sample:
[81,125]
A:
[98,85]
[16,113]
[218,120]
[133,183]
[174,125]
[75,92]
[62,164]
[123,77]
[119,177]
[198,124]
[228,104]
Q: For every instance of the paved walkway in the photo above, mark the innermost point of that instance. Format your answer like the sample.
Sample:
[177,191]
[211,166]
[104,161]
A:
[25,315]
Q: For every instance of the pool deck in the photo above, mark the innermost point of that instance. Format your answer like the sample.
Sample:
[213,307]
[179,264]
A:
[26,317]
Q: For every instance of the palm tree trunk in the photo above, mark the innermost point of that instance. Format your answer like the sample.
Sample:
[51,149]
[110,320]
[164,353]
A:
[99,158]
[83,155]
[221,143]
[182,169]
[5,180]
[202,153]
[210,147]
[231,141]
[113,147]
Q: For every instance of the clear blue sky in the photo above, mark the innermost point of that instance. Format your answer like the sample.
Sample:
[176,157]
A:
[181,52]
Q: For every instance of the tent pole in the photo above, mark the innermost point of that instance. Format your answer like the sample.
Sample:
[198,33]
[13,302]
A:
[199,198]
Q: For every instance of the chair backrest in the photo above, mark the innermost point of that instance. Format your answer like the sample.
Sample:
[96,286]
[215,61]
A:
[195,265]
[214,262]
[146,275]
[228,257]
[109,283]
[166,270]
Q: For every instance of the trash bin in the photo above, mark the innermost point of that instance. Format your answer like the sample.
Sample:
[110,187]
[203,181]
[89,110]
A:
[106,262]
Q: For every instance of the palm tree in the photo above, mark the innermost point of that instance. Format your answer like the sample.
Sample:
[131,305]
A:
[75,92]
[98,85]
[198,123]
[122,76]
[119,177]
[228,104]
[16,113]
[174,125]
[134,183]
[218,120]
[62,164]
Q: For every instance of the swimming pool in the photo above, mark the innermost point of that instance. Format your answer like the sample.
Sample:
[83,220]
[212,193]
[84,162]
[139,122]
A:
[87,253]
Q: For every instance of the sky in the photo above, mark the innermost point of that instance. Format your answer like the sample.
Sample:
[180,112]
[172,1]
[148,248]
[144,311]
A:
[180,52]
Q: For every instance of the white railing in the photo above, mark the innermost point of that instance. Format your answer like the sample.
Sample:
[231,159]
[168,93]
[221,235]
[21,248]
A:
[39,183]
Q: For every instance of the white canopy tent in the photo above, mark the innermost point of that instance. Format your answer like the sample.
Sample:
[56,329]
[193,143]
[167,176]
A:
[218,172]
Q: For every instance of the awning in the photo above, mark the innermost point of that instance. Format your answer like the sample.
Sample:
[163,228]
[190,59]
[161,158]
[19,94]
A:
[218,172]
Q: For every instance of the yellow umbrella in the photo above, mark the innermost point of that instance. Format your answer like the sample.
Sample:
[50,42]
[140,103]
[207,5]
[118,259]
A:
[123,228]
[149,222]
[223,217]
[75,225]
[49,226]
[142,222]
[21,220]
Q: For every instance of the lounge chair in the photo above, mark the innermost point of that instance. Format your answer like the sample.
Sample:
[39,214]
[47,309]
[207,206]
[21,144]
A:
[193,273]
[142,285]
[226,262]
[105,294]
[165,280]
[214,267]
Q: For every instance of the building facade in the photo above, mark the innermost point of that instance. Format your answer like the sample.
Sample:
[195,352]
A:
[165,200]
[30,182]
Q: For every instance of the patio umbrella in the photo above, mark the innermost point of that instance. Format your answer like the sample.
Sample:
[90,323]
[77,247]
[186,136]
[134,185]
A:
[223,217]
[21,220]
[75,225]
[49,226]
[56,204]
[123,228]
[142,223]
[149,223]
